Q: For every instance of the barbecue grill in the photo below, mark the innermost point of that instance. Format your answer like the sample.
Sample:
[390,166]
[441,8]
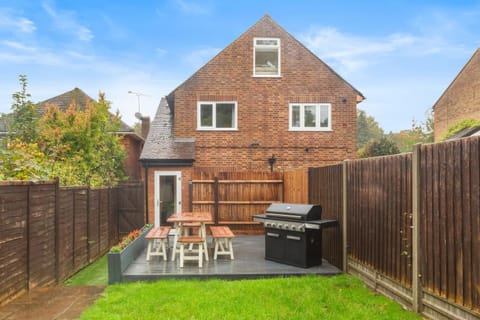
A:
[293,233]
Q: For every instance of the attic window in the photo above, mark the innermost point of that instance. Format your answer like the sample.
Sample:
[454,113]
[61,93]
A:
[266,57]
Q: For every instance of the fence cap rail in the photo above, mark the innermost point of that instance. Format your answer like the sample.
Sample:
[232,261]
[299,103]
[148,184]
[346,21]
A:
[26,183]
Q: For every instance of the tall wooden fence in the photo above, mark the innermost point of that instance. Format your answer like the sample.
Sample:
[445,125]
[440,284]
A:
[48,233]
[234,197]
[325,188]
[412,224]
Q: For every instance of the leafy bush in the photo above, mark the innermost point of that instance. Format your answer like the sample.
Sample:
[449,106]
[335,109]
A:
[378,147]
[459,126]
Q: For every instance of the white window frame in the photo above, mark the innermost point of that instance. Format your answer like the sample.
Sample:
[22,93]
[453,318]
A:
[214,116]
[302,117]
[277,46]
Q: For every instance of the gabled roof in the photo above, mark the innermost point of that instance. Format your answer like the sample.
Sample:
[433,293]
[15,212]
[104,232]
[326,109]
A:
[63,101]
[266,19]
[81,99]
[473,68]
[161,147]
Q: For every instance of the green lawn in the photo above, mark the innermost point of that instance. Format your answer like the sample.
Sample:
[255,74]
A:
[95,274]
[312,297]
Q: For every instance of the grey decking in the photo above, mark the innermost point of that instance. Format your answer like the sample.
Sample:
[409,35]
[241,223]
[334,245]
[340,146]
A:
[249,263]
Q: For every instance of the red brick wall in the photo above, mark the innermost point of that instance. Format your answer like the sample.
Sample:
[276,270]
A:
[263,108]
[133,148]
[461,100]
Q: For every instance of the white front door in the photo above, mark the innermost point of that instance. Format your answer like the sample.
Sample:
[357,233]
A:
[168,195]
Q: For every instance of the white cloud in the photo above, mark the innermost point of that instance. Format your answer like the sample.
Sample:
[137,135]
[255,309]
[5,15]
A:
[65,21]
[351,52]
[16,23]
[199,57]
[160,52]
[193,8]
[18,46]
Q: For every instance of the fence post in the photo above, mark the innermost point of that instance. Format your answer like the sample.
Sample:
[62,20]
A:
[190,195]
[57,228]
[344,217]
[28,235]
[416,268]
[216,196]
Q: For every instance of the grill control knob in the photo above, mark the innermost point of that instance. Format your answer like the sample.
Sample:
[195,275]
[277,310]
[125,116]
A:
[293,228]
[274,224]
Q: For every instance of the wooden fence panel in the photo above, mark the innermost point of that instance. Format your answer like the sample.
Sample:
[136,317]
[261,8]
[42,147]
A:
[379,210]
[42,235]
[80,203]
[66,234]
[325,189]
[45,230]
[93,224]
[450,217]
[234,197]
[296,186]
[103,217]
[13,241]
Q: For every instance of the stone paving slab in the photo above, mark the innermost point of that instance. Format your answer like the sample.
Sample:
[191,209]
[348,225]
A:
[59,302]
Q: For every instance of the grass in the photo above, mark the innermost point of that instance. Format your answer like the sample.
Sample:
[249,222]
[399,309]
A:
[311,297]
[95,274]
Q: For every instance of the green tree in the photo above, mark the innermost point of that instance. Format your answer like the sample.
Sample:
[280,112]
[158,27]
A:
[24,120]
[420,132]
[378,147]
[82,144]
[22,161]
[367,129]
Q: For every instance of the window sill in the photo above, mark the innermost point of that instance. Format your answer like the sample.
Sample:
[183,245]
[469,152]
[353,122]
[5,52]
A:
[310,130]
[266,76]
[217,129]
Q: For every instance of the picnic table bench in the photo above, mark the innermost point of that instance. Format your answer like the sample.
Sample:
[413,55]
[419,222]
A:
[222,238]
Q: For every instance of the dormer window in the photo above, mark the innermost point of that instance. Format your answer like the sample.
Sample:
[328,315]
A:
[266,57]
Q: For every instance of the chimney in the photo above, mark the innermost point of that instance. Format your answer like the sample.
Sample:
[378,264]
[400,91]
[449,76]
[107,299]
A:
[145,123]
[145,126]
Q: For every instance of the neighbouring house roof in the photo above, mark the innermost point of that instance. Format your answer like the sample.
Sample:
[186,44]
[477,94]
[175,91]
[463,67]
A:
[161,147]
[467,132]
[64,100]
[81,99]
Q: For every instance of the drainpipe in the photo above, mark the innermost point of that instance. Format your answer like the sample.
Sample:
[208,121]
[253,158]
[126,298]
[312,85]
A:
[146,194]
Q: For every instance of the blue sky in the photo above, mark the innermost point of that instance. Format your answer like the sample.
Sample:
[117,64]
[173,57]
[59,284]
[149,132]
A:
[400,54]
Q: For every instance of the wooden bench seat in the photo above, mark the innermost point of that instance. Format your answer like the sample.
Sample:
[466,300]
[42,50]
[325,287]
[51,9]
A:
[198,253]
[157,242]
[222,238]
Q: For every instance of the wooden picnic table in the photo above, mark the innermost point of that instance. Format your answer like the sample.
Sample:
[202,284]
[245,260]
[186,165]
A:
[179,219]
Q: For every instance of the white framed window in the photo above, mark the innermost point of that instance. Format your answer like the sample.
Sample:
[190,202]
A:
[217,115]
[266,57]
[310,117]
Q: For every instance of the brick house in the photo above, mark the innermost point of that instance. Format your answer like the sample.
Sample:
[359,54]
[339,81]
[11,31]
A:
[461,99]
[265,102]
[132,142]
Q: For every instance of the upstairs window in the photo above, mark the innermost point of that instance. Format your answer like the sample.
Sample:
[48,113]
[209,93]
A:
[310,117]
[266,57]
[217,115]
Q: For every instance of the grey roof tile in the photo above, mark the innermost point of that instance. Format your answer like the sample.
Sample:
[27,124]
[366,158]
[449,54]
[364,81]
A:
[161,144]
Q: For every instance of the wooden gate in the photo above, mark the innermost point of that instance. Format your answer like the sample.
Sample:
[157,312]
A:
[130,206]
